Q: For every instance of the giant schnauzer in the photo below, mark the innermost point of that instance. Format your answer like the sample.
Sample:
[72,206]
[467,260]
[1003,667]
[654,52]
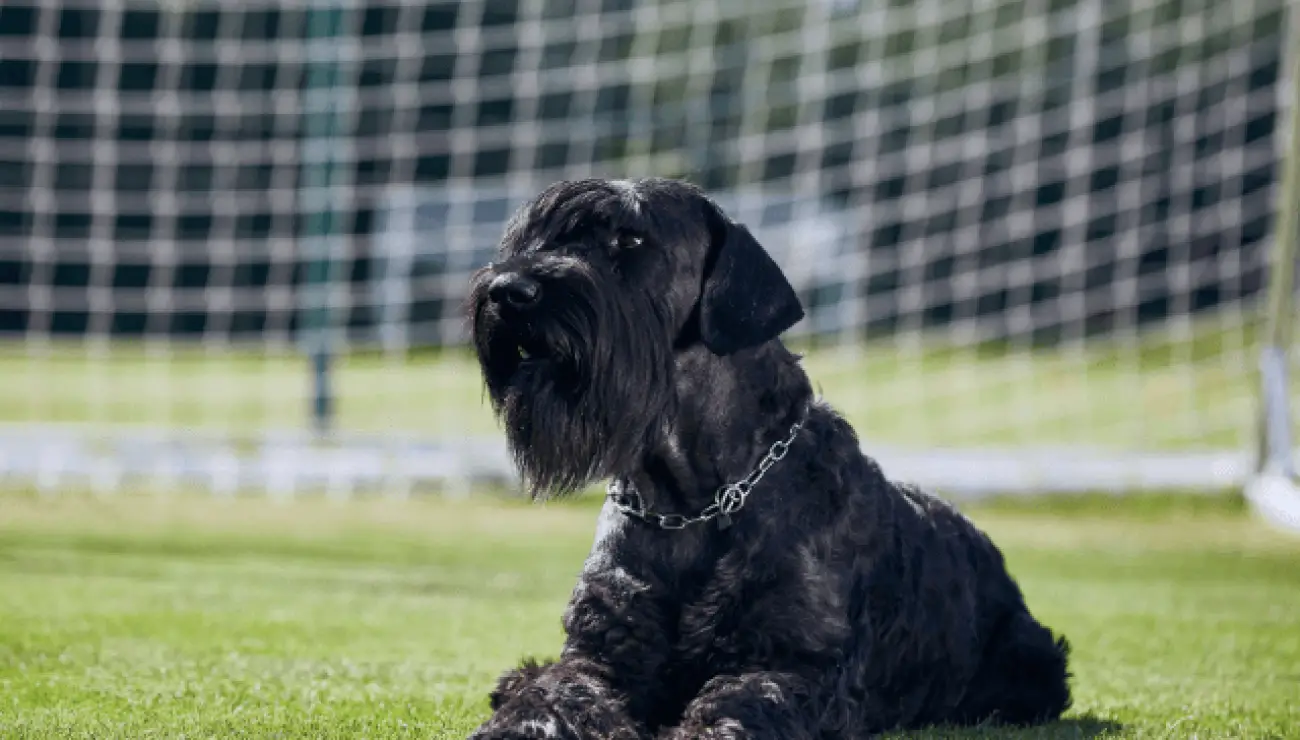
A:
[754,574]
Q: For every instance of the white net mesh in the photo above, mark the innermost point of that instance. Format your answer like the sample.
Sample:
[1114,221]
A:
[1030,234]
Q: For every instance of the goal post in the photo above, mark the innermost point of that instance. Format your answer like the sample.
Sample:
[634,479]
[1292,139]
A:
[1031,236]
[1273,490]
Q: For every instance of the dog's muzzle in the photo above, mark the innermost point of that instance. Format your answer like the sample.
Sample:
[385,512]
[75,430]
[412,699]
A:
[509,326]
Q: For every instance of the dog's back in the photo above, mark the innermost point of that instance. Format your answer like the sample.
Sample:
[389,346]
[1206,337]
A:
[943,635]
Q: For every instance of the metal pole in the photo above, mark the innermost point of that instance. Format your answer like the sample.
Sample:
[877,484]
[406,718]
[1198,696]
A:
[1275,449]
[320,223]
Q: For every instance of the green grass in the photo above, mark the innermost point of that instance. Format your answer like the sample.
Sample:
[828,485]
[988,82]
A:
[193,617]
[1170,390]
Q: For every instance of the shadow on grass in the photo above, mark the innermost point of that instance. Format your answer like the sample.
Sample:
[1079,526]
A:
[1072,728]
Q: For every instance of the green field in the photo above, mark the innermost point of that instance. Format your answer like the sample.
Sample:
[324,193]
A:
[193,617]
[1168,390]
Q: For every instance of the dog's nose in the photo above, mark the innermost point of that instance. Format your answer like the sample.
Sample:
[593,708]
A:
[514,289]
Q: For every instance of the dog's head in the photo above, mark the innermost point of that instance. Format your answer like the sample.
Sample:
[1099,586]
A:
[597,285]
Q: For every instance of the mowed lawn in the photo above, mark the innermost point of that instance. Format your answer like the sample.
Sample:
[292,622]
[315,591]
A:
[186,616]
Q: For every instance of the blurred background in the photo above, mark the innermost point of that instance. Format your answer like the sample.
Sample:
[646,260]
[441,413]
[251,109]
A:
[1032,235]
[249,482]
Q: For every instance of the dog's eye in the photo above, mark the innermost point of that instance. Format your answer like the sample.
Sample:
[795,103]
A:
[626,241]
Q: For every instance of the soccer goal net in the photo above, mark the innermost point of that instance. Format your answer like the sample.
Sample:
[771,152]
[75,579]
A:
[1032,236]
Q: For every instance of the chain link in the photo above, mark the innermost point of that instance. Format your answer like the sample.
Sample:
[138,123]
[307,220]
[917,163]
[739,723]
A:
[727,500]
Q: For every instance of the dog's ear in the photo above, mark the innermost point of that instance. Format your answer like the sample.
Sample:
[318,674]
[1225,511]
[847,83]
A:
[746,299]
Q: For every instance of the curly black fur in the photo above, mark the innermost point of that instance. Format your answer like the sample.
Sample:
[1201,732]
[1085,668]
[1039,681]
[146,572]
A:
[837,604]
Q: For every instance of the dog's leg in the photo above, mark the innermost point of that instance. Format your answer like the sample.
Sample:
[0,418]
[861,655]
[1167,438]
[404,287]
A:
[754,706]
[1024,679]
[608,682]
[605,677]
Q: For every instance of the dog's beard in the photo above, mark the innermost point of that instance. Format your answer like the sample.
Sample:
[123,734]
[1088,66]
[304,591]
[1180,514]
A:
[579,384]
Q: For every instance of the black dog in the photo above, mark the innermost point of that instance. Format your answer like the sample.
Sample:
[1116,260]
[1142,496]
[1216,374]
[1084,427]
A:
[754,574]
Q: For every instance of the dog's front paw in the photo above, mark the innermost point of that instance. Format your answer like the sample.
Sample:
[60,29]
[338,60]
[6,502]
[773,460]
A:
[527,719]
[568,701]
[727,729]
[517,721]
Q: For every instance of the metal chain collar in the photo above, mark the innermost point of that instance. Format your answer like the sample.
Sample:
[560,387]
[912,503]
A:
[727,500]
